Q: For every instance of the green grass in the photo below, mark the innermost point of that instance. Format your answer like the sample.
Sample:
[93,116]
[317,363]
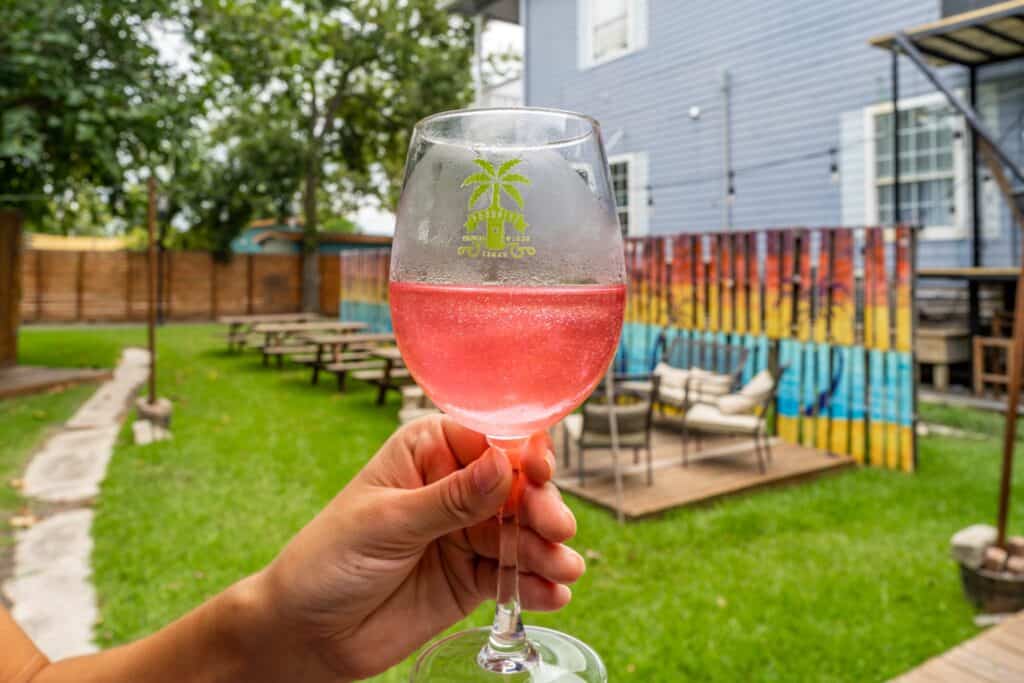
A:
[24,424]
[842,579]
[980,421]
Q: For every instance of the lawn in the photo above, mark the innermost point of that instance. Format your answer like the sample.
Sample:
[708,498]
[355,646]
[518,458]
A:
[843,579]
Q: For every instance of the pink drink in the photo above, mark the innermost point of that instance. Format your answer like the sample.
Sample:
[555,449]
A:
[507,361]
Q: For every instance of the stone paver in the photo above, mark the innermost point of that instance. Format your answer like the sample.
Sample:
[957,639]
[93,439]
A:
[54,600]
[71,465]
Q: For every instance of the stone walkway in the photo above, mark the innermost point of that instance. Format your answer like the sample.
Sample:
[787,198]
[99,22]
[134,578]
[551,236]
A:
[54,600]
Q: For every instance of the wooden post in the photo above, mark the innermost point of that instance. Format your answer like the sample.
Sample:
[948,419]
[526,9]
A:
[213,287]
[1016,356]
[127,285]
[248,284]
[39,286]
[79,284]
[10,286]
[151,288]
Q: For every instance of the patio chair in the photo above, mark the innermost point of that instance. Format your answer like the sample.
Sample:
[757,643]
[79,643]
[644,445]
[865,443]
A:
[739,414]
[633,422]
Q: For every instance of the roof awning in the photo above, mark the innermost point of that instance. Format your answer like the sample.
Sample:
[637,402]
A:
[500,10]
[983,36]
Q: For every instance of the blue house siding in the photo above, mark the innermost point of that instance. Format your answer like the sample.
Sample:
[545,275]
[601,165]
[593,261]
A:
[795,69]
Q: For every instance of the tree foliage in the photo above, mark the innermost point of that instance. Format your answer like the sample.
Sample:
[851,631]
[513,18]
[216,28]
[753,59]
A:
[84,97]
[343,81]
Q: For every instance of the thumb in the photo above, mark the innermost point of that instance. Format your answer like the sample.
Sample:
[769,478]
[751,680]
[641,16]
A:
[462,499]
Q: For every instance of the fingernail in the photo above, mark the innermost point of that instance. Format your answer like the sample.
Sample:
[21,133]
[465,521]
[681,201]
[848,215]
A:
[569,516]
[564,594]
[583,563]
[486,474]
[550,458]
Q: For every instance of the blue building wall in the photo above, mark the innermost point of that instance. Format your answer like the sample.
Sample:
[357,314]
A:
[798,71]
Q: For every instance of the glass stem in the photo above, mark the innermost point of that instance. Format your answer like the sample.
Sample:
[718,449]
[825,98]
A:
[507,649]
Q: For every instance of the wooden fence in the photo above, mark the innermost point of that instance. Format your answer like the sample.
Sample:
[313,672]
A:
[90,286]
[10,256]
[791,296]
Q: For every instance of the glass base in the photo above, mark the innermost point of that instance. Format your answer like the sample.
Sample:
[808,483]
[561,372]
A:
[560,659]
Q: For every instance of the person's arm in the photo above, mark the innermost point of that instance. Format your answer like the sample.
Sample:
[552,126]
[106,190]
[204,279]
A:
[228,638]
[22,660]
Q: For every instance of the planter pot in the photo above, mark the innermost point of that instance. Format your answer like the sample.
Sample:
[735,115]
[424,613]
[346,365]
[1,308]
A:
[158,413]
[993,592]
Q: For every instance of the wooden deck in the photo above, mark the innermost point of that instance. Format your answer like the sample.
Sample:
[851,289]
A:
[20,380]
[723,467]
[995,656]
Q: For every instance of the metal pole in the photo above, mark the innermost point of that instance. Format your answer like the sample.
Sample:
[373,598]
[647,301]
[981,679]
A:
[727,188]
[151,287]
[973,313]
[478,58]
[895,138]
[613,429]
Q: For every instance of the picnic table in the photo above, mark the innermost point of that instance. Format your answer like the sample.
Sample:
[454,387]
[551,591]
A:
[341,352]
[392,377]
[239,326]
[277,336]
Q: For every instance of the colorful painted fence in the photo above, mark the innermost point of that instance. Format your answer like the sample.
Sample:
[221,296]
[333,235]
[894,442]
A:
[364,287]
[791,297]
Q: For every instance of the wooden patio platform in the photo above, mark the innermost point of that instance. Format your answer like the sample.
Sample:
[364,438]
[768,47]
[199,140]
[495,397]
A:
[20,380]
[995,656]
[723,467]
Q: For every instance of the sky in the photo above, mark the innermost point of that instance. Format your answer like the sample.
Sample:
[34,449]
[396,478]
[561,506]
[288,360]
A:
[498,37]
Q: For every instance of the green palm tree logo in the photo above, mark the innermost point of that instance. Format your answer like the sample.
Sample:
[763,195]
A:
[497,181]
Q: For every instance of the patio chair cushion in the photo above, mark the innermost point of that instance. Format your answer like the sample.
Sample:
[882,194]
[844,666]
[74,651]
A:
[677,397]
[760,386]
[670,376]
[707,382]
[710,418]
[631,419]
[737,404]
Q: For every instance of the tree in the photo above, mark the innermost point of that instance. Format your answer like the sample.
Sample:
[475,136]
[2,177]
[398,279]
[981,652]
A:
[345,80]
[84,98]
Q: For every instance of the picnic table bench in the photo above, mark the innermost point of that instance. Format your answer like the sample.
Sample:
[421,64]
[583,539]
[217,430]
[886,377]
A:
[282,339]
[239,326]
[392,377]
[340,353]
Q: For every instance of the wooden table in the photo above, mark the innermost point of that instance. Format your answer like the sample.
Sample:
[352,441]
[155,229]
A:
[389,382]
[240,325]
[336,343]
[278,335]
[274,332]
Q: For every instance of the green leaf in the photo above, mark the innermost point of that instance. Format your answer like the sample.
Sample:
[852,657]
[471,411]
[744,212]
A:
[513,192]
[516,178]
[476,194]
[477,178]
[508,166]
[486,165]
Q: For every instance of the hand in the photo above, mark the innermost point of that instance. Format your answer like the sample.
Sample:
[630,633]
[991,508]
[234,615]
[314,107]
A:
[409,548]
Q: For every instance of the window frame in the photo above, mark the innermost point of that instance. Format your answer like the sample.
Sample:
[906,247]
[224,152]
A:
[957,228]
[636,33]
[636,191]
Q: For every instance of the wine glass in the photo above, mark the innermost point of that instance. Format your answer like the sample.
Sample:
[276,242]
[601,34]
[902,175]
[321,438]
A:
[507,295]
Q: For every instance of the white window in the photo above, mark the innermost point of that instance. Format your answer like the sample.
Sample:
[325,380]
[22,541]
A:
[609,29]
[629,185]
[933,167]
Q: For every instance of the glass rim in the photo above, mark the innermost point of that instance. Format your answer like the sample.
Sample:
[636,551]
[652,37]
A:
[593,127]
